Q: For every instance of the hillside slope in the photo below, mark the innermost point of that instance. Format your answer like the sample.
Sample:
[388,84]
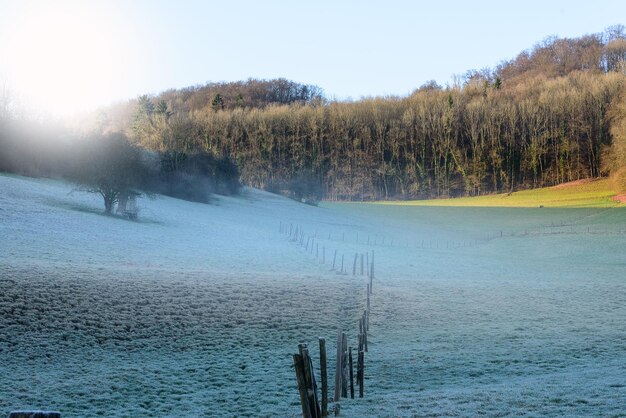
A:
[196,310]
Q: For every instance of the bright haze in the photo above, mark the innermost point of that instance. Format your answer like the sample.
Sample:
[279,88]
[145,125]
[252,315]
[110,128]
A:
[62,57]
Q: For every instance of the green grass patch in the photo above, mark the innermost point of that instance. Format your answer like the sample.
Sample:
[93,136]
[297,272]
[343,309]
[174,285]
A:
[595,193]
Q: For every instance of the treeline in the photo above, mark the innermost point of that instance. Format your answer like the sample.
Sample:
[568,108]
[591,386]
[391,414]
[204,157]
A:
[537,120]
[557,57]
[251,93]
[480,138]
[241,94]
[553,114]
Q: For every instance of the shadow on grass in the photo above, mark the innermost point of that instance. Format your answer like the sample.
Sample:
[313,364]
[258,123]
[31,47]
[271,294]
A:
[96,211]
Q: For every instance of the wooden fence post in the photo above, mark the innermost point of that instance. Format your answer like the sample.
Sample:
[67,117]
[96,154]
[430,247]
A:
[309,378]
[365,327]
[372,271]
[354,264]
[351,373]
[338,367]
[324,377]
[304,402]
[361,264]
[344,365]
[361,372]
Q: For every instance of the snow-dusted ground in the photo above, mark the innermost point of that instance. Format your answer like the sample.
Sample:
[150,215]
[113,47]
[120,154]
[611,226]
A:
[195,310]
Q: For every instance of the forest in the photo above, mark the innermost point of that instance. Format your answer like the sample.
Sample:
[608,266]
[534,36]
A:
[553,114]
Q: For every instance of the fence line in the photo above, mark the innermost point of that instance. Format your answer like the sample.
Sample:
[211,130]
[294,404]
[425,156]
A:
[363,264]
[314,406]
[566,227]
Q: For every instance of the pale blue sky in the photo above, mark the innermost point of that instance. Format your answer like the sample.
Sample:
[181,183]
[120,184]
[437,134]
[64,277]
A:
[349,48]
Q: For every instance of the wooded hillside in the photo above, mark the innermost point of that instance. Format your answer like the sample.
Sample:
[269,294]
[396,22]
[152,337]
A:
[537,120]
[553,114]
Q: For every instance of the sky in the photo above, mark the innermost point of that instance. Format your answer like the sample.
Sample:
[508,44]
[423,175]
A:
[68,55]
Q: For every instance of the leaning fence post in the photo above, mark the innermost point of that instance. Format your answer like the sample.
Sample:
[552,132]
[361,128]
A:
[304,401]
[309,379]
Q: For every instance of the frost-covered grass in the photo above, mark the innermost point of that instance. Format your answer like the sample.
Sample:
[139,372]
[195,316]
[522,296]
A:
[597,193]
[195,310]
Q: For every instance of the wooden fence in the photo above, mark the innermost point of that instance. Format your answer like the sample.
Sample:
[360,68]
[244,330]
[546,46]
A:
[314,400]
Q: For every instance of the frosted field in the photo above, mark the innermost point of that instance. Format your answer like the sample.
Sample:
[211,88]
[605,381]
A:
[195,310]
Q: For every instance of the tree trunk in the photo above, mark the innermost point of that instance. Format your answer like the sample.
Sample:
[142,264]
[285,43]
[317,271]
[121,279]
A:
[108,205]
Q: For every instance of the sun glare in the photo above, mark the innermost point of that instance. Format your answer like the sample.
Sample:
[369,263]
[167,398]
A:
[65,59]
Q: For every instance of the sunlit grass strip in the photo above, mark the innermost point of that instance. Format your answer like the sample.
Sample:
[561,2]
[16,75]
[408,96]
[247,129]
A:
[597,193]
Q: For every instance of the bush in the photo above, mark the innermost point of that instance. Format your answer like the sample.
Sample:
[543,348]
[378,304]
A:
[196,176]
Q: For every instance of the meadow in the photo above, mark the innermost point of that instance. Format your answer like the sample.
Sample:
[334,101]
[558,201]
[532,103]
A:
[195,310]
[597,193]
